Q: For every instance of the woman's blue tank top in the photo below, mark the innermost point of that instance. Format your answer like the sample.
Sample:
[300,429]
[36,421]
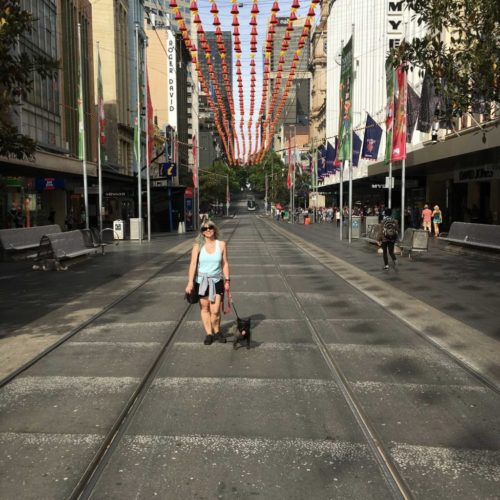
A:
[210,263]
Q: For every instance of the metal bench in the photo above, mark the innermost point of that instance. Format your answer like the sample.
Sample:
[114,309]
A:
[374,235]
[414,241]
[62,246]
[24,241]
[484,236]
[93,238]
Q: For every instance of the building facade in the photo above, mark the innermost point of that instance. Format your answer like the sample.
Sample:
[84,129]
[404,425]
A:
[459,171]
[46,187]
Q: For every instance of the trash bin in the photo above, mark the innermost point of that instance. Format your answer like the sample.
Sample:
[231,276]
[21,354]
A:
[301,218]
[370,220]
[119,229]
[356,228]
[136,229]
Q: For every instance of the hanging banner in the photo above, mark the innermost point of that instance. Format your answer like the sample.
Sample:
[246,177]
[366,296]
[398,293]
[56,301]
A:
[356,149]
[412,108]
[330,158]
[345,109]
[100,106]
[371,142]
[389,111]
[171,80]
[399,132]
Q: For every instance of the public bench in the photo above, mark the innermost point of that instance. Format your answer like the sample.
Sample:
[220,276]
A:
[24,241]
[414,241]
[374,234]
[484,236]
[57,247]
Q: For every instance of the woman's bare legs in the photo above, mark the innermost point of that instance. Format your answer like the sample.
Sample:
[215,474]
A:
[215,314]
[205,315]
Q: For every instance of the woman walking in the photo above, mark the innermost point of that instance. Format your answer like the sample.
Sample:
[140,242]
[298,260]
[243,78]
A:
[437,218]
[209,276]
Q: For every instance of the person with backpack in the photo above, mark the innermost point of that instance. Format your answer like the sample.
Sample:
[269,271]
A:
[389,237]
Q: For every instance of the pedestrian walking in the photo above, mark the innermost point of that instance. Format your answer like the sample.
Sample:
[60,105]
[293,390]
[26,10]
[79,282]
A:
[209,275]
[437,218]
[388,238]
[337,216]
[426,218]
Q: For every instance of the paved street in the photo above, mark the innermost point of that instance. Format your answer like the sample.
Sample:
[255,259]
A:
[359,383]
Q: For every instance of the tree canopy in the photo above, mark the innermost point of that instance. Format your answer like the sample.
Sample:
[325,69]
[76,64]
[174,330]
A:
[460,50]
[17,67]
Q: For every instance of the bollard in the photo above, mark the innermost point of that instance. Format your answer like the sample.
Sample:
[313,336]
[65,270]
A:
[179,228]
[183,224]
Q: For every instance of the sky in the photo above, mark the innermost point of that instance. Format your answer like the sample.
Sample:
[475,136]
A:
[225,18]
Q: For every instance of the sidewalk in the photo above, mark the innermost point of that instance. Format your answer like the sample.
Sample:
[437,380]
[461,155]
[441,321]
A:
[26,295]
[462,286]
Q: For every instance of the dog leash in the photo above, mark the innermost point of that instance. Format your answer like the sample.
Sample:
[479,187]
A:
[228,303]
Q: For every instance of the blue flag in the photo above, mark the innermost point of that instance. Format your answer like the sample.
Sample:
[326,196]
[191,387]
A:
[321,159]
[330,158]
[356,149]
[373,136]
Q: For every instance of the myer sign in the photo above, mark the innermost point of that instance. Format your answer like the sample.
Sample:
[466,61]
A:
[395,23]
[171,80]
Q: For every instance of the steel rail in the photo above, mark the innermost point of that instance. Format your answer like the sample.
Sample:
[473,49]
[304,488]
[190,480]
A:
[89,479]
[394,479]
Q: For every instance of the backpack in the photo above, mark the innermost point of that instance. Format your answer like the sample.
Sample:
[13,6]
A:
[390,229]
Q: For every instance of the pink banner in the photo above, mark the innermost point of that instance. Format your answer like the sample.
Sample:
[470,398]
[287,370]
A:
[399,134]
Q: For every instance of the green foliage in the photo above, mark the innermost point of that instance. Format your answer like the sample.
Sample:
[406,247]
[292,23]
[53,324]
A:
[16,76]
[461,49]
[213,181]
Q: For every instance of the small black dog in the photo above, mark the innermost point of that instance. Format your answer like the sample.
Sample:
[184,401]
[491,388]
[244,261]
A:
[243,333]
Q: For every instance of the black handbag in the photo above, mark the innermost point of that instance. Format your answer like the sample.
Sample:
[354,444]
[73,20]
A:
[193,297]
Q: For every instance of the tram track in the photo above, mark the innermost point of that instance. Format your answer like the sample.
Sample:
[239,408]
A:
[395,481]
[95,468]
[98,473]
[355,282]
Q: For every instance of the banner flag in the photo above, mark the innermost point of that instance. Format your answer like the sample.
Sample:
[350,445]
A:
[345,108]
[399,129]
[195,162]
[150,124]
[137,143]
[427,105]
[100,106]
[337,163]
[389,110]
[330,158]
[371,141]
[412,108]
[356,149]
[81,122]
[321,161]
[290,166]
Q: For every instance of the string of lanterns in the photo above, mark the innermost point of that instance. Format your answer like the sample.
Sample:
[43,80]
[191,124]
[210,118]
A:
[224,108]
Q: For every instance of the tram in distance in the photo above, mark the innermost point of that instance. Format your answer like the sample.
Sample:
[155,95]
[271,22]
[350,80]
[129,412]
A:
[251,205]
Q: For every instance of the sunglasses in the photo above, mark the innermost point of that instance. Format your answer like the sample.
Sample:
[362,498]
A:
[206,228]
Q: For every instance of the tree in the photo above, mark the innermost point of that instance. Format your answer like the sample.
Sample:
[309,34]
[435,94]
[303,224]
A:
[460,50]
[213,183]
[17,67]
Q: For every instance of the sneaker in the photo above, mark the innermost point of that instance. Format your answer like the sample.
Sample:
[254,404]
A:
[394,264]
[219,337]
[386,268]
[208,340]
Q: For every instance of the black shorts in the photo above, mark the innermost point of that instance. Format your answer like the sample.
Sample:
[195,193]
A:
[219,288]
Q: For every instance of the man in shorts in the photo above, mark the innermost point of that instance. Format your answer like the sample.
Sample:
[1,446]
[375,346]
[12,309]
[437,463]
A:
[426,218]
